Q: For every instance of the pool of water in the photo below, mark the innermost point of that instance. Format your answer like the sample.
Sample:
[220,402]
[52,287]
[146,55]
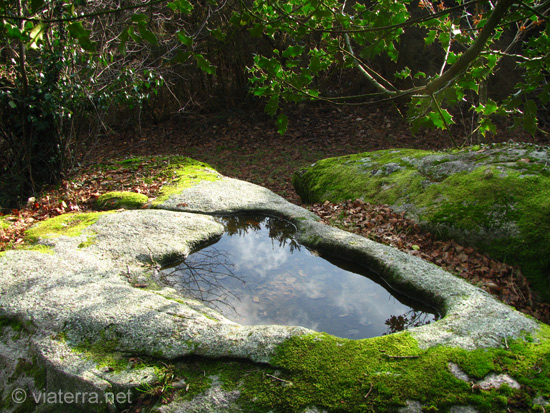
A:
[257,273]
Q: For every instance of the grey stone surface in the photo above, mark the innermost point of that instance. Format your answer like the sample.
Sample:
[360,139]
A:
[79,296]
[458,372]
[495,381]
[227,195]
[413,406]
[491,381]
[215,399]
[88,296]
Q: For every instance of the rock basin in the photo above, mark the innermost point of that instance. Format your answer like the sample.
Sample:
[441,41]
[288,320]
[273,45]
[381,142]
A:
[66,308]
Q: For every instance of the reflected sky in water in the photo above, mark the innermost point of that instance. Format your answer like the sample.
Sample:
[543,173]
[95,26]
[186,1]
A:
[258,274]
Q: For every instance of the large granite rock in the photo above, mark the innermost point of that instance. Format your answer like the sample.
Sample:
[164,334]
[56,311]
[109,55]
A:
[496,198]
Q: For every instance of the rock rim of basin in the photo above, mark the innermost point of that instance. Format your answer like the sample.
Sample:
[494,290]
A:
[472,317]
[101,288]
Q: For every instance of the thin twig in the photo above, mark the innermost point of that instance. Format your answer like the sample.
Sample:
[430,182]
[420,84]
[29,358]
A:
[278,378]
[367,395]
[401,357]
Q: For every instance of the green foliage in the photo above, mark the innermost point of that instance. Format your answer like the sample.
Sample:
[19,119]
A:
[70,64]
[320,36]
[56,90]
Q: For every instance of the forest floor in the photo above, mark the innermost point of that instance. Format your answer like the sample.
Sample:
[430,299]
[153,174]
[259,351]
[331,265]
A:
[246,146]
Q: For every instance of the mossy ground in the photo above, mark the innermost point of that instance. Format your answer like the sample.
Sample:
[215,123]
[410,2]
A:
[70,225]
[501,211]
[184,173]
[379,374]
[349,177]
[3,223]
[121,199]
[363,375]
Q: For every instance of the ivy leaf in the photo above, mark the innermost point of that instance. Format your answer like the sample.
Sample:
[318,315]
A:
[14,32]
[272,106]
[182,6]
[445,39]
[530,117]
[430,38]
[123,39]
[205,65]
[181,57]
[133,34]
[490,107]
[485,125]
[138,18]
[146,34]
[217,34]
[77,30]
[405,73]
[257,30]
[293,51]
[186,40]
[82,35]
[441,119]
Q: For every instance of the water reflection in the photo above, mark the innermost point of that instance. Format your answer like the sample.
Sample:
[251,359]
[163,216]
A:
[258,274]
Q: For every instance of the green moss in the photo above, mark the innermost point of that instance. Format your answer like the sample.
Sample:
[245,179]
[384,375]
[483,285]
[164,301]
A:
[103,351]
[70,225]
[44,249]
[15,325]
[378,374]
[3,223]
[184,173]
[375,375]
[89,241]
[514,209]
[33,369]
[501,206]
[116,200]
[338,179]
[334,374]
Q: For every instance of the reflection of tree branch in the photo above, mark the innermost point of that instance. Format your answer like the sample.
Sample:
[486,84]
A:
[278,229]
[200,276]
[403,322]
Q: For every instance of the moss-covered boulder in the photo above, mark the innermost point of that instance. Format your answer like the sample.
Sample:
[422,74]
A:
[496,198]
[124,199]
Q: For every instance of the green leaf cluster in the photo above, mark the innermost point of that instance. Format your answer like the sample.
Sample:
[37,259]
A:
[320,37]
